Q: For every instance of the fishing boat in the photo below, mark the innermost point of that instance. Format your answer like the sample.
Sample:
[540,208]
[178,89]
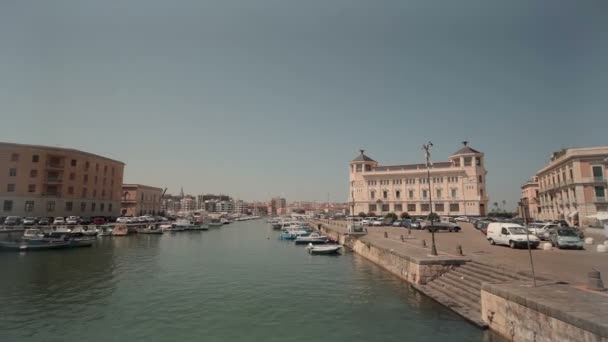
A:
[324,249]
[120,230]
[150,229]
[314,238]
[105,230]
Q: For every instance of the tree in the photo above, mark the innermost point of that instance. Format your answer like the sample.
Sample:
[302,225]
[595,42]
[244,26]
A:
[391,216]
[504,204]
[405,215]
[371,214]
[362,214]
[433,216]
[495,206]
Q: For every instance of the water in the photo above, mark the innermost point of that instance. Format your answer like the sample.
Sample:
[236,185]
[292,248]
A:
[235,283]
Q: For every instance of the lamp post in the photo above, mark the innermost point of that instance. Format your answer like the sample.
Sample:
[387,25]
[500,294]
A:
[427,151]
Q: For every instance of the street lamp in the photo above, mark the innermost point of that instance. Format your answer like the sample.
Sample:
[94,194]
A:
[427,150]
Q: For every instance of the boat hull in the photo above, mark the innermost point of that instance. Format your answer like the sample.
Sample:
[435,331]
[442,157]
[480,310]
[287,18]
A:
[325,251]
[313,241]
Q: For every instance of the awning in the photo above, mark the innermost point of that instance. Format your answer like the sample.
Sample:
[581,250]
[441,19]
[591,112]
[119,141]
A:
[602,215]
[572,214]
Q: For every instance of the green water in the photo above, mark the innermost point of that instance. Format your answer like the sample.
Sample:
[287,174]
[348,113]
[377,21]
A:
[234,283]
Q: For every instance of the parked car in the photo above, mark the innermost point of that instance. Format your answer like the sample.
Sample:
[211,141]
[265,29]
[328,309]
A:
[58,221]
[98,221]
[377,222]
[29,221]
[510,234]
[44,221]
[366,222]
[461,219]
[482,225]
[123,220]
[565,238]
[12,221]
[579,232]
[397,223]
[543,232]
[444,224]
[72,221]
[85,220]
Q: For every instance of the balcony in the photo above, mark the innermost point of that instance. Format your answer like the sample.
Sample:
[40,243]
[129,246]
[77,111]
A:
[594,180]
[55,166]
[600,200]
[53,180]
[52,194]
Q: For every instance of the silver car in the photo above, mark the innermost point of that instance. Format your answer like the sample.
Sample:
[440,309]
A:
[565,238]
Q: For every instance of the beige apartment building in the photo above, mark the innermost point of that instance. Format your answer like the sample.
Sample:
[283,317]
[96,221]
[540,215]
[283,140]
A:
[139,200]
[530,204]
[457,186]
[572,186]
[44,181]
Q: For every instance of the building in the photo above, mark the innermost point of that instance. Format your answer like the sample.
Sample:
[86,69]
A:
[572,186]
[457,186]
[224,206]
[43,181]
[530,206]
[187,204]
[139,200]
[278,206]
[170,204]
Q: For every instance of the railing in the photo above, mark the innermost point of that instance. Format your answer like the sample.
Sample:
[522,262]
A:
[51,194]
[600,200]
[594,180]
[53,180]
[54,165]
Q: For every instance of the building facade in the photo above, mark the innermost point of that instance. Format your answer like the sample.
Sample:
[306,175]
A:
[457,186]
[139,200]
[529,203]
[572,186]
[44,181]
[278,206]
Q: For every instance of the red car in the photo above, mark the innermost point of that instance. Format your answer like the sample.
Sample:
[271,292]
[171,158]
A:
[99,221]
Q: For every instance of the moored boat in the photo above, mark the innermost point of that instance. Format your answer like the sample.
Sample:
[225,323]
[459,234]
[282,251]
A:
[215,223]
[324,249]
[120,230]
[23,245]
[105,230]
[314,238]
[151,229]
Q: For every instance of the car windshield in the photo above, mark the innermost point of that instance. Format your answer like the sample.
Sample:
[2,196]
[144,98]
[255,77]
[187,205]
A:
[566,232]
[517,230]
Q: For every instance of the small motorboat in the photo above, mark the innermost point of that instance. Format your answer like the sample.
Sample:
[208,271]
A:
[105,230]
[27,245]
[86,231]
[198,227]
[172,228]
[120,230]
[293,234]
[151,229]
[225,221]
[324,249]
[80,240]
[314,238]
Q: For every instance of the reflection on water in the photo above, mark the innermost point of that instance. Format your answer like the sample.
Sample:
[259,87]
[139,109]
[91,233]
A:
[235,283]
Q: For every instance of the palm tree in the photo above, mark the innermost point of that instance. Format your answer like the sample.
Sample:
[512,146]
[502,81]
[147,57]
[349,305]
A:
[496,206]
[504,204]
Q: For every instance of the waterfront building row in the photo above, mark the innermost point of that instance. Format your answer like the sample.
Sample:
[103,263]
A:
[457,186]
[571,187]
[139,200]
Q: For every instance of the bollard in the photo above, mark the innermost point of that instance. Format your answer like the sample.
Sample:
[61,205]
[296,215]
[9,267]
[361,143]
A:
[386,235]
[594,281]
[424,243]
[601,248]
[409,231]
[402,239]
[459,250]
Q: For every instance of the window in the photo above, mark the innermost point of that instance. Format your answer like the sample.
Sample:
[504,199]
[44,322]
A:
[599,191]
[373,194]
[385,207]
[83,207]
[72,176]
[368,168]
[8,206]
[102,206]
[70,190]
[12,172]
[398,207]
[504,231]
[424,207]
[385,194]
[96,166]
[29,206]
[359,167]
[411,207]
[481,192]
[597,171]
[478,161]
[480,179]
[110,207]
[410,194]
[86,165]
[372,208]
[467,161]
[457,162]
[73,162]
[438,192]
[35,158]
[15,157]
[33,173]
[454,207]
[31,188]
[439,207]
[68,206]
[453,193]
[10,188]
[397,194]
[86,179]
[92,206]
[571,175]
[50,206]
[424,193]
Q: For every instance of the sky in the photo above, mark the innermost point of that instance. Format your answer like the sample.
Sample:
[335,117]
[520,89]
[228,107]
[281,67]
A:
[259,98]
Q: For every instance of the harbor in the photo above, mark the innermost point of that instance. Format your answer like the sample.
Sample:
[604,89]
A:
[170,287]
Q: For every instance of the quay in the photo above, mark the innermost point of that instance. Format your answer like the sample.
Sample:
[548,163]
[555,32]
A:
[488,294]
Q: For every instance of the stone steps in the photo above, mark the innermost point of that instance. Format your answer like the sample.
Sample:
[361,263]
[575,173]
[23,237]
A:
[501,271]
[486,273]
[458,288]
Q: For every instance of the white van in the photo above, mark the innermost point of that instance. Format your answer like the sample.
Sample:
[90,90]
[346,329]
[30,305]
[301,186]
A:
[510,234]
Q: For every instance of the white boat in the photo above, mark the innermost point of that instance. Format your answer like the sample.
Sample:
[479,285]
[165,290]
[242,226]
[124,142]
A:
[105,230]
[150,229]
[314,238]
[86,231]
[324,249]
[120,230]
[171,228]
[215,223]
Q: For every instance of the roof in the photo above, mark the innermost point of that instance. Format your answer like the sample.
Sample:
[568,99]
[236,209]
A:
[57,149]
[405,167]
[465,149]
[127,185]
[363,157]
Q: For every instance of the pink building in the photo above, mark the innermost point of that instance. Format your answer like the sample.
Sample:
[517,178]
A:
[530,205]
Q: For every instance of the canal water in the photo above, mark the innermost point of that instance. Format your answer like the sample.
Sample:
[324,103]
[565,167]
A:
[234,283]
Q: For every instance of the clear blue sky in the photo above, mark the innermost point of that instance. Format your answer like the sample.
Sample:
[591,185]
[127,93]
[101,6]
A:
[256,98]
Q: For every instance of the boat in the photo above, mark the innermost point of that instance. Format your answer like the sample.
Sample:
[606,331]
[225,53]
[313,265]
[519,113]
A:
[86,231]
[80,240]
[292,234]
[171,228]
[225,221]
[314,238]
[199,227]
[23,245]
[324,249]
[105,230]
[151,229]
[215,223]
[120,230]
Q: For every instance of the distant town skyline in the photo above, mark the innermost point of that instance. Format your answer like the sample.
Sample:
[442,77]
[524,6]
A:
[276,99]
